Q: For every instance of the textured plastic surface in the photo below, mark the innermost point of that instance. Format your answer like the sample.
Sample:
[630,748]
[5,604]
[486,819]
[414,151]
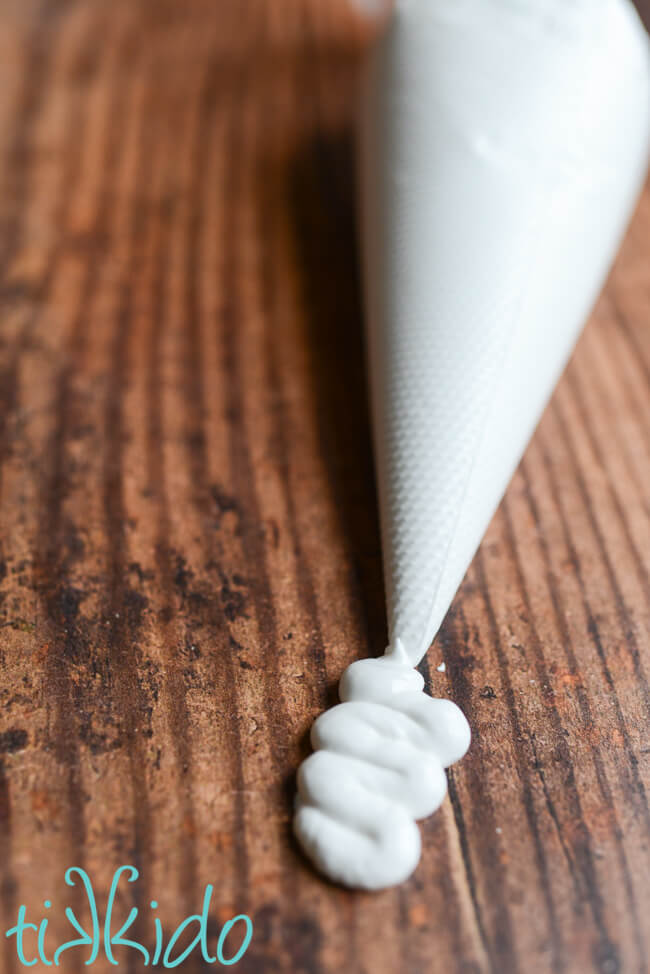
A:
[503,146]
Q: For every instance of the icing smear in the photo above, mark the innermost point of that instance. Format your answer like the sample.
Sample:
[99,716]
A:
[378,765]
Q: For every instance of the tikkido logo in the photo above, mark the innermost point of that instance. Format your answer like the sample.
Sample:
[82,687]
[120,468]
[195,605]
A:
[33,946]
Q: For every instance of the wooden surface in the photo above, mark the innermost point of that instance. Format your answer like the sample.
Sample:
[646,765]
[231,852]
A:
[189,546]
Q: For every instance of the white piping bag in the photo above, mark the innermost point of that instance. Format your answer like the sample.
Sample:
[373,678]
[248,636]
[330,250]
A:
[503,146]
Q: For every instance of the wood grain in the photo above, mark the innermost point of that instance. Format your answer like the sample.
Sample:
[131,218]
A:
[189,546]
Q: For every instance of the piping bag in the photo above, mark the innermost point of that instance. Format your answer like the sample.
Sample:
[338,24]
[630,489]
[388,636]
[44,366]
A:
[503,145]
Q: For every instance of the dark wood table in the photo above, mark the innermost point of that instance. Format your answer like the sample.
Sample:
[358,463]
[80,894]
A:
[189,545]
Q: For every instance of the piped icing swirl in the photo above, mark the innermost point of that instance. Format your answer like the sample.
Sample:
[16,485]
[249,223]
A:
[378,765]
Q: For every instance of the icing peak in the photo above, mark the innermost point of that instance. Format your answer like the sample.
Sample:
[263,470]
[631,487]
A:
[378,766]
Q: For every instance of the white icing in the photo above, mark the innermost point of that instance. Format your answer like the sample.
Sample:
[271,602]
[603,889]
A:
[378,766]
